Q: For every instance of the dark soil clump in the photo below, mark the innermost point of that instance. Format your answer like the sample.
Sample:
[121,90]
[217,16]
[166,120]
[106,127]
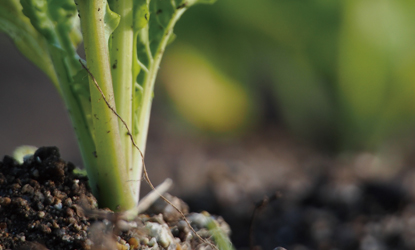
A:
[40,202]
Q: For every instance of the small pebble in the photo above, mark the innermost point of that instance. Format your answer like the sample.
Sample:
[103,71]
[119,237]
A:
[41,214]
[77,227]
[16,186]
[45,229]
[133,242]
[68,202]
[35,173]
[144,241]
[58,205]
[152,242]
[27,189]
[40,206]
[70,212]
[161,233]
[5,201]
[66,238]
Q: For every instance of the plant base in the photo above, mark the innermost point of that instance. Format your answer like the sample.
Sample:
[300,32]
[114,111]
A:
[45,205]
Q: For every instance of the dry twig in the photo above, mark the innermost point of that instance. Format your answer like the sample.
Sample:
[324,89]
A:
[259,206]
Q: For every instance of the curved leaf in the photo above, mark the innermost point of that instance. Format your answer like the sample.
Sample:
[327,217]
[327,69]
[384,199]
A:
[37,12]
[111,20]
[141,14]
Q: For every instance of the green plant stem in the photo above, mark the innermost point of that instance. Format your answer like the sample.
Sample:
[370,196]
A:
[123,82]
[148,90]
[112,186]
[65,61]
[85,141]
[148,86]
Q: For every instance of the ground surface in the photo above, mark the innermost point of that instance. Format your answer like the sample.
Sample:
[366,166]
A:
[358,201]
[44,205]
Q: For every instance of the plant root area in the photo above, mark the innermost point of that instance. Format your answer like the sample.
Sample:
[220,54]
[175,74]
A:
[45,205]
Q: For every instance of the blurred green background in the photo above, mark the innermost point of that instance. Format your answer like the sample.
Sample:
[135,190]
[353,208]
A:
[339,74]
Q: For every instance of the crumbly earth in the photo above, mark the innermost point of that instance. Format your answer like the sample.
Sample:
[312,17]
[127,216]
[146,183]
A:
[45,205]
[40,202]
[359,200]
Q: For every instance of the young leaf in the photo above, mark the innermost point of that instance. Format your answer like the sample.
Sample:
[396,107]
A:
[111,20]
[192,2]
[55,20]
[82,93]
[37,12]
[141,14]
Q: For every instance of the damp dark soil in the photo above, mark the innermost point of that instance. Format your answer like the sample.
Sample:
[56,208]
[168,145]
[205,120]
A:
[45,205]
[360,200]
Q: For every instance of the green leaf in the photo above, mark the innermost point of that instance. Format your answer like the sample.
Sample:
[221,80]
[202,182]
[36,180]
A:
[80,84]
[219,235]
[150,45]
[81,92]
[162,14]
[46,16]
[138,95]
[62,12]
[55,20]
[111,20]
[29,42]
[76,34]
[140,53]
[141,14]
[37,12]
[188,3]
[80,171]
[140,57]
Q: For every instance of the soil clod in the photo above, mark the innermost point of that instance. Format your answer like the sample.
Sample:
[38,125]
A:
[45,205]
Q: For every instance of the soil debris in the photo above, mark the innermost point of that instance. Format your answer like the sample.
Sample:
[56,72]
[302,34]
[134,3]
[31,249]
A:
[45,205]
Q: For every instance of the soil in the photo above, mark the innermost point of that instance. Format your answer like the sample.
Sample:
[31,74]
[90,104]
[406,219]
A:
[352,201]
[45,205]
[359,201]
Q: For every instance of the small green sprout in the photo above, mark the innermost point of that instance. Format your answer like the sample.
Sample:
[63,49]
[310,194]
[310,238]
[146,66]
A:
[20,154]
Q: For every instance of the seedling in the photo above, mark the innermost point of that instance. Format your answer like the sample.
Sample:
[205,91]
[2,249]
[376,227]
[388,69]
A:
[124,41]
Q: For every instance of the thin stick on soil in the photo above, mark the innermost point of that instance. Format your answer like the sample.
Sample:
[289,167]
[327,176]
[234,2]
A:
[148,200]
[145,173]
[259,206]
